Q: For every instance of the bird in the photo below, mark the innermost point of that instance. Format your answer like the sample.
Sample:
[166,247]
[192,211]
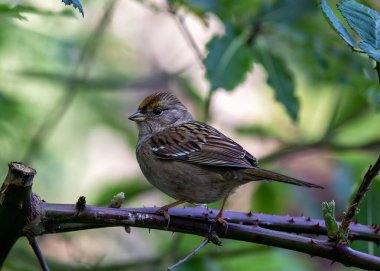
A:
[191,161]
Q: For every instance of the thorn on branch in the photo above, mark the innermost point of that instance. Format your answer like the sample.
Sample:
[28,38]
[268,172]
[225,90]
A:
[377,230]
[317,225]
[291,220]
[80,205]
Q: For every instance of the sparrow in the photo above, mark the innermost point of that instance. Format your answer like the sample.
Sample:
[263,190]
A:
[191,161]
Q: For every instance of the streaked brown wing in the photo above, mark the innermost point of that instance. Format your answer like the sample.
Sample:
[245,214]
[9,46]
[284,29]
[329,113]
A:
[198,143]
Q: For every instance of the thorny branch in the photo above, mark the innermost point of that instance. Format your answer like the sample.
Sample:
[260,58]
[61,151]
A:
[57,215]
[276,231]
[60,219]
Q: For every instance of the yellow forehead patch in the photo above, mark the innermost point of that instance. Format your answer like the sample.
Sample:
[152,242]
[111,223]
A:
[158,99]
[149,102]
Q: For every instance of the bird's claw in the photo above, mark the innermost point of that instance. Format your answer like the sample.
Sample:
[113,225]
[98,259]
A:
[165,213]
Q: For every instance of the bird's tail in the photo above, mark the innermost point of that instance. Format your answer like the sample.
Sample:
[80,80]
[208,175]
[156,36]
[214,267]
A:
[259,173]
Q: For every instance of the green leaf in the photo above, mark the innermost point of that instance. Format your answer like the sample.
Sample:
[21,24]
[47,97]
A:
[336,24]
[228,61]
[363,20]
[370,50]
[280,79]
[328,211]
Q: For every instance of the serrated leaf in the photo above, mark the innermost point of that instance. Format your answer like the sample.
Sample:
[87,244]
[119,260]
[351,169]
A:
[75,4]
[363,20]
[228,61]
[370,50]
[280,79]
[336,24]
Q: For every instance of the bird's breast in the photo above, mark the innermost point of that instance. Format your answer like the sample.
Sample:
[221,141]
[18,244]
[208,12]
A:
[184,181]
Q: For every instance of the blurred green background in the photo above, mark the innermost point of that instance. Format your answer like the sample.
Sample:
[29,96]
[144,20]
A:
[300,100]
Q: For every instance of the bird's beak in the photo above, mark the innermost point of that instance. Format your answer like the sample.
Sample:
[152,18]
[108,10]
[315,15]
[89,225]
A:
[137,116]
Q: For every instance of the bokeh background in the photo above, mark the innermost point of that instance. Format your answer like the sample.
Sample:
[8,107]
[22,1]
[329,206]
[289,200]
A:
[68,84]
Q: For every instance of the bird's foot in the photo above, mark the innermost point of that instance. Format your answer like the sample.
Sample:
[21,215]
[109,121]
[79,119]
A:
[222,221]
[165,213]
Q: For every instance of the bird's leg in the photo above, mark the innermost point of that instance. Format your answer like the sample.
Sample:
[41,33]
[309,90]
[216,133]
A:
[164,209]
[219,215]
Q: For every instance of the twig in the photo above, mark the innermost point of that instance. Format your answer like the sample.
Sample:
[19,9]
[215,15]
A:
[149,263]
[180,20]
[353,208]
[37,252]
[290,148]
[189,256]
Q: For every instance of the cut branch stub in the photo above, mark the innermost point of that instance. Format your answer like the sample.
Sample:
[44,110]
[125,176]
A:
[15,205]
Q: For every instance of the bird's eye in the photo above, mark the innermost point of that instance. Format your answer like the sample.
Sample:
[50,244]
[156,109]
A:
[157,111]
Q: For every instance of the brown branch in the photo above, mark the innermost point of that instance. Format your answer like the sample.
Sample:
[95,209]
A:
[15,206]
[353,208]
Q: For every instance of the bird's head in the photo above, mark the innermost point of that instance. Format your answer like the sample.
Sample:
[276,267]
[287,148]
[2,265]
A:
[160,111]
